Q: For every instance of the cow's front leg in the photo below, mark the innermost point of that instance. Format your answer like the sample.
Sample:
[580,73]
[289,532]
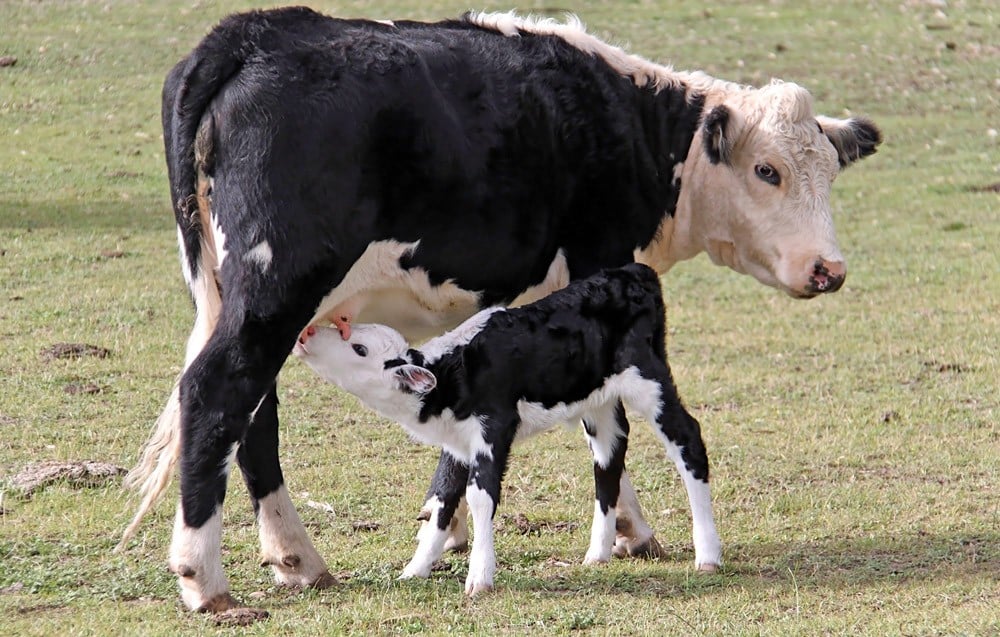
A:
[607,435]
[450,475]
[444,504]
[284,544]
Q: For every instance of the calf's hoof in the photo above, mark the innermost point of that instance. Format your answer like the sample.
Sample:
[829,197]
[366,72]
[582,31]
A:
[221,603]
[707,568]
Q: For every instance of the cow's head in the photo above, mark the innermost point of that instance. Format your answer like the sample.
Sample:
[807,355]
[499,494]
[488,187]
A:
[373,364]
[759,187]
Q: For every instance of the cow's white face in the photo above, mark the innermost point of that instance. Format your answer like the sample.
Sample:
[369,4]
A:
[371,364]
[758,187]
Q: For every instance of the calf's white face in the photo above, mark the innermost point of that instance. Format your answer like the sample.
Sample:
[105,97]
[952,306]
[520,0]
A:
[358,365]
[760,201]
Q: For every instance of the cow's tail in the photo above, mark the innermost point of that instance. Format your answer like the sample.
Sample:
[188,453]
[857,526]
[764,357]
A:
[189,138]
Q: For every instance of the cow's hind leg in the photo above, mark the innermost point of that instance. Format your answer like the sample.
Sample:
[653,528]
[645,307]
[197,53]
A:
[607,435]
[284,544]
[681,435]
[444,508]
[219,393]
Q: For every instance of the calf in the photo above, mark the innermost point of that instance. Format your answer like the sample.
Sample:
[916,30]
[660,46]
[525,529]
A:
[504,375]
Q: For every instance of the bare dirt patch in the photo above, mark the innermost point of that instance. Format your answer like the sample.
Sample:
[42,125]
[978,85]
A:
[73,351]
[240,616]
[525,526]
[85,473]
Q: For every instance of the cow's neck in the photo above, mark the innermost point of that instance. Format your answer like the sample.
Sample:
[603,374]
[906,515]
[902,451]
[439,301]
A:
[677,237]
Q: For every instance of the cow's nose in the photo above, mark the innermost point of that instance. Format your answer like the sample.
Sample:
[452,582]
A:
[827,276]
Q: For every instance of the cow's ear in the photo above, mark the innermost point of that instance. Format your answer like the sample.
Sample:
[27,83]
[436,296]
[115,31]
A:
[415,379]
[717,134]
[854,138]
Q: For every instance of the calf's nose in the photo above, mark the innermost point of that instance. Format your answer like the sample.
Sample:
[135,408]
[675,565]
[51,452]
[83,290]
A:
[827,276]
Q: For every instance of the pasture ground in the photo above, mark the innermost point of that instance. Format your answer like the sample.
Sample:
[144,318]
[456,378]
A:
[854,439]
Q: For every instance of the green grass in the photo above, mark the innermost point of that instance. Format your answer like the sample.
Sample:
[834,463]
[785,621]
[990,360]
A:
[854,438]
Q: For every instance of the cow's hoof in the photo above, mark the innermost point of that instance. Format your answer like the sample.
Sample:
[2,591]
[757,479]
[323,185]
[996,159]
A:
[594,561]
[473,589]
[648,549]
[707,568]
[240,616]
[221,603]
[292,571]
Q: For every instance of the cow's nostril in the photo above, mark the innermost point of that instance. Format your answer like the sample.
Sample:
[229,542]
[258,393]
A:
[827,277]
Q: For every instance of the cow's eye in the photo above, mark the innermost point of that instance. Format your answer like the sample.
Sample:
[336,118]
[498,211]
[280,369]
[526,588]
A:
[360,350]
[766,172]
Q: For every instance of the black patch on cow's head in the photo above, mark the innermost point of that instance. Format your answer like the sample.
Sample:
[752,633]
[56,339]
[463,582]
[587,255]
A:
[856,139]
[717,140]
[416,357]
[395,362]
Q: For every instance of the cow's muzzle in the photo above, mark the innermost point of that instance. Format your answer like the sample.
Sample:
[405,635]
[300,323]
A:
[826,277]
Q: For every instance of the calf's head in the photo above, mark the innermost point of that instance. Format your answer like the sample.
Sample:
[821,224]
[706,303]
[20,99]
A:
[373,364]
[762,177]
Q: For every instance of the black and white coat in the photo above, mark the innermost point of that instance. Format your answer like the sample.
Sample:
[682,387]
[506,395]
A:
[506,374]
[413,174]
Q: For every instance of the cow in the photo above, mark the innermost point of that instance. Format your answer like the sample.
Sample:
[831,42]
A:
[412,174]
[574,356]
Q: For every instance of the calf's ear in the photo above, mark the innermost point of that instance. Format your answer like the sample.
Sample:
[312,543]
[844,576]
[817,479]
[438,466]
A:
[854,138]
[415,379]
[717,134]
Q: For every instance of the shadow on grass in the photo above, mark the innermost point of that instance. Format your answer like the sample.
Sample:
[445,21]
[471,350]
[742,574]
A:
[831,563]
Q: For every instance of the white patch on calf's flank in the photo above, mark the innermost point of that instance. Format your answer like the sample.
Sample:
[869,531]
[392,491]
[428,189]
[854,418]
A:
[196,558]
[402,298]
[556,278]
[388,23]
[284,543]
[260,254]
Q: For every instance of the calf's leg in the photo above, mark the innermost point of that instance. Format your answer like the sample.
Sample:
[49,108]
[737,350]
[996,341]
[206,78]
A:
[444,507]
[681,435]
[607,435]
[449,477]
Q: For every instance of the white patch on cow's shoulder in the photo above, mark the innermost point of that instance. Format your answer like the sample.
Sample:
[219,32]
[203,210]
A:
[388,23]
[405,299]
[260,254]
[556,278]
[219,241]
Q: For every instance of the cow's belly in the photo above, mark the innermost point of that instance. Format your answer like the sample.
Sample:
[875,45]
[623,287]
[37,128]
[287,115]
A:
[378,290]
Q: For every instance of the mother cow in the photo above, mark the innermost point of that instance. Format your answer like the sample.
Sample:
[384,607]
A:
[411,174]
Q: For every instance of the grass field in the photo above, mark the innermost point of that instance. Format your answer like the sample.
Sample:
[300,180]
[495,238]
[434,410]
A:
[854,438]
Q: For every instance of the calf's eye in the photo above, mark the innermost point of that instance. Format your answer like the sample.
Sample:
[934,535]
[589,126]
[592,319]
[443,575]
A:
[360,350]
[766,172]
